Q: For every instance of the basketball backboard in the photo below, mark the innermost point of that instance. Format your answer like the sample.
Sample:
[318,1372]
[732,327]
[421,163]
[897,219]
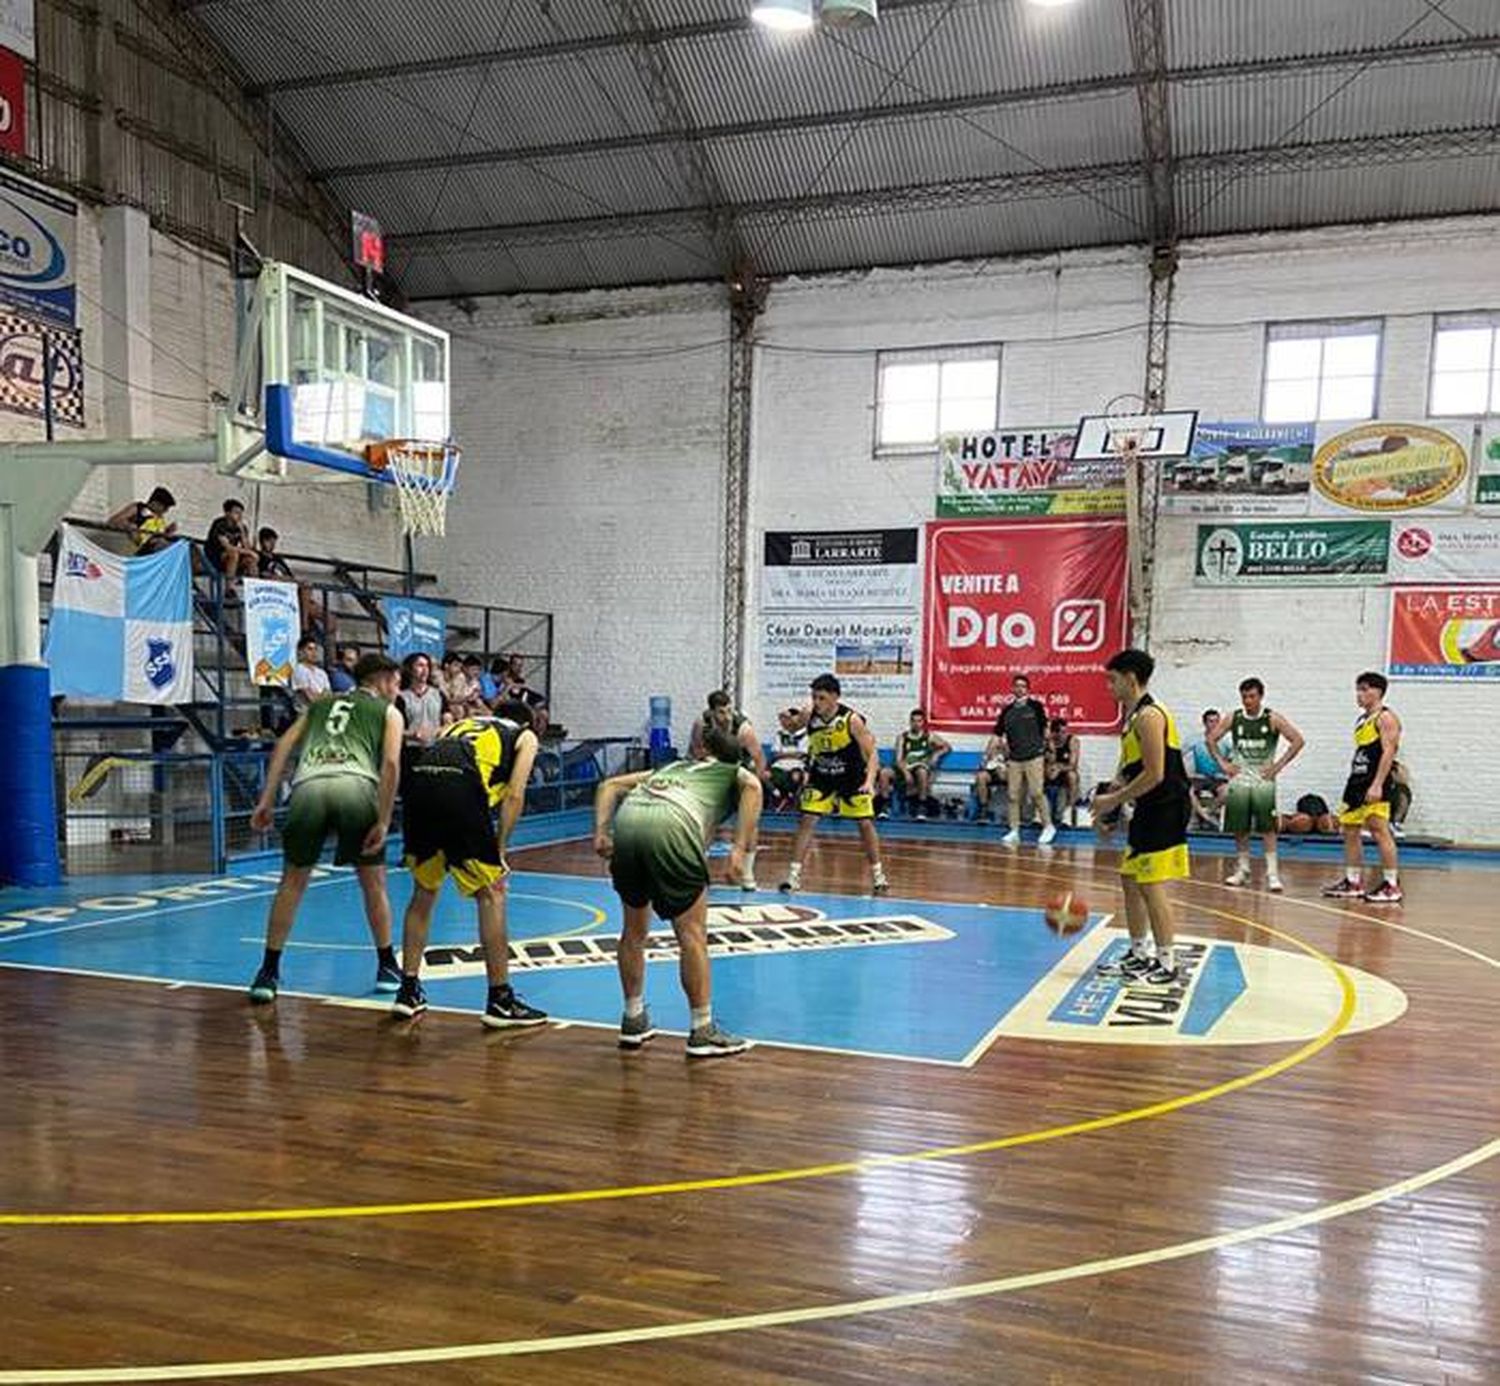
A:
[323,373]
[1168,433]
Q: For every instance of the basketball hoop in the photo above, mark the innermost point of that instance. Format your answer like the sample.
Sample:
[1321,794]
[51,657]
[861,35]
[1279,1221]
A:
[424,475]
[1128,438]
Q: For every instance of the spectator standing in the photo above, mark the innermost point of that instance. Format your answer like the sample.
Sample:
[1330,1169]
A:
[227,545]
[309,681]
[341,677]
[146,521]
[1024,730]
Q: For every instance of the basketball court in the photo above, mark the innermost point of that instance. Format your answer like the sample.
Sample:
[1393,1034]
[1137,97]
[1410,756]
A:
[962,1147]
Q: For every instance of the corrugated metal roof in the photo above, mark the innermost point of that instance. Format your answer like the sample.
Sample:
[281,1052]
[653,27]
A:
[954,127]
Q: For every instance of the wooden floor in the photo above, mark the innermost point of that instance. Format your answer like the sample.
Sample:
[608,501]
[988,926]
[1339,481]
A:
[1233,1244]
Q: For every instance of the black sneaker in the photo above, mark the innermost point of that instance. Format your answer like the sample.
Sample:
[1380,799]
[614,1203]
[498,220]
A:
[881,887]
[1128,968]
[1344,889]
[1159,976]
[387,978]
[1386,893]
[410,1000]
[507,1010]
[263,988]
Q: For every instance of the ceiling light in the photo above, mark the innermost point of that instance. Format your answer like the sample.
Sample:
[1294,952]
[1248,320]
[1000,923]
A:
[1051,4]
[850,14]
[787,16]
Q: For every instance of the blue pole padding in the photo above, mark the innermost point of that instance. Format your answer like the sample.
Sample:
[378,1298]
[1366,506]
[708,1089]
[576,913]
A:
[28,845]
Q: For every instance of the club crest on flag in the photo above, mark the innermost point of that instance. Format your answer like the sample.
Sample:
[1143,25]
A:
[160,667]
[80,565]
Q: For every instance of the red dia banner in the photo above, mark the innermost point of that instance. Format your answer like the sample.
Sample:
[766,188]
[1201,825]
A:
[12,103]
[1045,599]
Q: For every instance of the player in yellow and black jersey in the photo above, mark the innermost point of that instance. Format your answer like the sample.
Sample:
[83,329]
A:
[842,764]
[1367,796]
[1154,780]
[449,798]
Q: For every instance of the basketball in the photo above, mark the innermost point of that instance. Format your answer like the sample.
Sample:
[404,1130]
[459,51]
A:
[1067,913]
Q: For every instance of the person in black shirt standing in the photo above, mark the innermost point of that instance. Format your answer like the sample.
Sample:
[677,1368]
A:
[1024,730]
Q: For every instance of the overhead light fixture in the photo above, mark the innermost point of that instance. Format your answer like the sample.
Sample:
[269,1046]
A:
[851,14]
[1051,4]
[785,16]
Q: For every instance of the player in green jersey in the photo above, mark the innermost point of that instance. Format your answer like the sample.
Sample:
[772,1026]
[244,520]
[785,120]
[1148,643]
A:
[344,785]
[1255,735]
[658,860]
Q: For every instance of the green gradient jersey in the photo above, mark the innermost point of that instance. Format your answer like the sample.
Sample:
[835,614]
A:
[1254,741]
[917,746]
[704,792]
[344,736]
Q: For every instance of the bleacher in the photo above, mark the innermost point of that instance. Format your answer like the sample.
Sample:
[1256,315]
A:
[144,788]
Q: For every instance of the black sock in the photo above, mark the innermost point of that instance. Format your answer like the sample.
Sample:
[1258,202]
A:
[386,956]
[500,991]
[272,962]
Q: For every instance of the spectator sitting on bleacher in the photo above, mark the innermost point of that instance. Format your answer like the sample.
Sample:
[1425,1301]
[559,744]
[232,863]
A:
[487,689]
[227,546]
[146,521]
[1209,783]
[420,700]
[341,676]
[272,566]
[515,688]
[309,681]
[1062,756]
[991,773]
[788,761]
[461,692]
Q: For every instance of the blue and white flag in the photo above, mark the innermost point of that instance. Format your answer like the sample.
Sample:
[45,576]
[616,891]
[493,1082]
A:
[121,628]
[272,620]
[413,626]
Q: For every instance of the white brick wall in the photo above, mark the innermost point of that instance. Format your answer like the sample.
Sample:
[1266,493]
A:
[592,487]
[569,448]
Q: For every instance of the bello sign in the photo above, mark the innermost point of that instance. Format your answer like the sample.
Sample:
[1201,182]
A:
[1044,599]
[1025,471]
[1305,553]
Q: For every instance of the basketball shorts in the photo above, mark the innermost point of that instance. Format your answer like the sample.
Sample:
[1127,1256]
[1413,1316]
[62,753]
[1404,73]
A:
[658,859]
[823,800]
[1156,843]
[449,830]
[1250,805]
[1353,810]
[343,807]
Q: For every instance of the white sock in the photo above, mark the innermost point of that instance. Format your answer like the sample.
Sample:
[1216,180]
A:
[1355,875]
[1141,947]
[1165,956]
[1244,862]
[702,1017]
[1270,864]
[634,1006]
[749,863]
[1392,878]
[877,872]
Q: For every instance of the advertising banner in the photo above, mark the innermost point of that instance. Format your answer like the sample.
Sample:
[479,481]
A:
[1487,485]
[1024,471]
[834,570]
[414,627]
[23,386]
[872,656]
[1046,599]
[1462,550]
[1305,553]
[18,27]
[1391,468]
[38,234]
[272,621]
[12,103]
[1249,469]
[1444,633]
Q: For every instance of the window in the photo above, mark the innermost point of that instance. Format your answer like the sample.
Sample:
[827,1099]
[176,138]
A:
[1465,365]
[1321,370]
[922,395]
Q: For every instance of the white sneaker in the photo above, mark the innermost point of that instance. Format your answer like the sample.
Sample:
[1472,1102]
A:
[1048,833]
[1012,838]
[1273,884]
[1240,876]
[747,882]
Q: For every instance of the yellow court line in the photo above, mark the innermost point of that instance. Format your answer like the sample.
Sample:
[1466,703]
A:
[1336,1027]
[775,1318]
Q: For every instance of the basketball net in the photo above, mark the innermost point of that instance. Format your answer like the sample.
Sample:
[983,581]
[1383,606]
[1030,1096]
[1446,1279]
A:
[424,475]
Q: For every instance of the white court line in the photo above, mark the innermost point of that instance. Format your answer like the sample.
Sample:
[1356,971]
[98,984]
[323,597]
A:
[776,1318]
[979,1050]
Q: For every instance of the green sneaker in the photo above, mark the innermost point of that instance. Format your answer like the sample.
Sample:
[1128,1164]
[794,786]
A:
[635,1030]
[712,1041]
